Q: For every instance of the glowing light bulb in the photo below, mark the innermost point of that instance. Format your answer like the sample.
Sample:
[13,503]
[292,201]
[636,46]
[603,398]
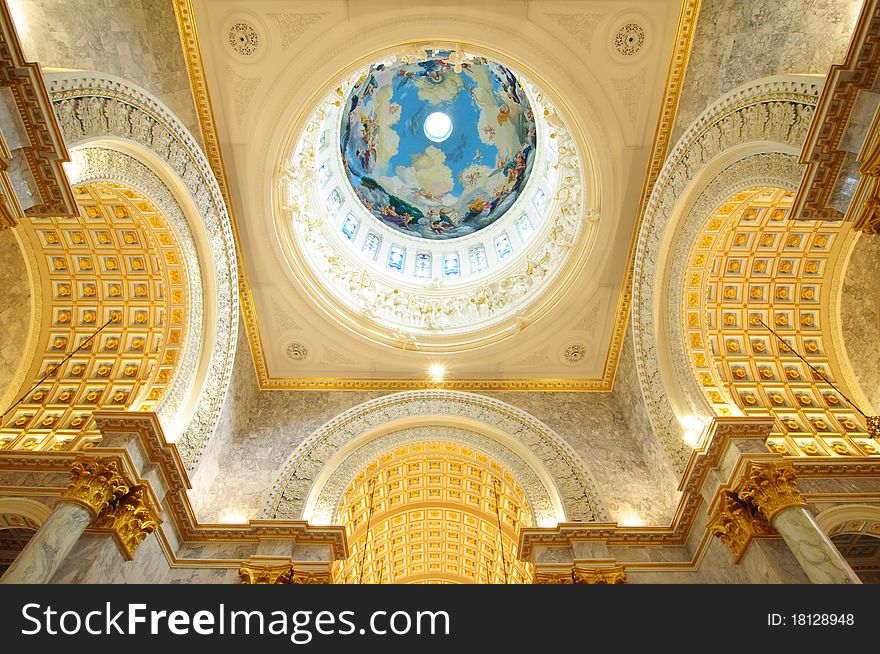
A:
[233,516]
[436,372]
[690,422]
[71,169]
[629,518]
[693,430]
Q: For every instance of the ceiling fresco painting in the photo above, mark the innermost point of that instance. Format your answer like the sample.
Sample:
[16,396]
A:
[437,150]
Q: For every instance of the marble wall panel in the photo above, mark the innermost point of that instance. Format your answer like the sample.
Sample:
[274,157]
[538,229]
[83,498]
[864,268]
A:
[97,559]
[259,429]
[598,429]
[241,395]
[15,308]
[741,40]
[211,550]
[133,39]
[860,317]
[627,392]
[202,576]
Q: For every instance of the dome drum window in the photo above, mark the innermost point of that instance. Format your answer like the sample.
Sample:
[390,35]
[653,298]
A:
[396,258]
[349,226]
[450,266]
[371,245]
[479,263]
[502,246]
[423,265]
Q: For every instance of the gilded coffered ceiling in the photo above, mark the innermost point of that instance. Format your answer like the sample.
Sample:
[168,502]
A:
[430,513]
[750,265]
[114,294]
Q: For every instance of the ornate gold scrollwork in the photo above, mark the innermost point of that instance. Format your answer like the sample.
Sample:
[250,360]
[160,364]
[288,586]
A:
[553,578]
[615,574]
[736,522]
[131,520]
[252,572]
[310,577]
[868,219]
[873,423]
[580,574]
[96,484]
[262,573]
[769,488]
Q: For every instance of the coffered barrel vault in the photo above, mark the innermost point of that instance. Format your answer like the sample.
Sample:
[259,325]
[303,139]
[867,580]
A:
[119,266]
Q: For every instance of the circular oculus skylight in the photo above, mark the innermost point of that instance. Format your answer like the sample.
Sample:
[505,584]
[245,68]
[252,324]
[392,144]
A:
[438,127]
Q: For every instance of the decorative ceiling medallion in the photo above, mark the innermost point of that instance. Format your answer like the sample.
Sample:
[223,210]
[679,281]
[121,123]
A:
[437,148]
[243,38]
[629,39]
[413,276]
[574,353]
[297,351]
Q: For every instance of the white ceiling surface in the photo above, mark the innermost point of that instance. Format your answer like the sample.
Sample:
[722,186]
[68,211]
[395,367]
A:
[303,44]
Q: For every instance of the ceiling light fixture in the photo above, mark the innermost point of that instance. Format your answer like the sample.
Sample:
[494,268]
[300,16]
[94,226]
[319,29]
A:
[437,372]
[71,169]
[693,426]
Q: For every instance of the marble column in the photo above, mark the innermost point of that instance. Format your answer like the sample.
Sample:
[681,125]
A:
[96,483]
[818,556]
[770,488]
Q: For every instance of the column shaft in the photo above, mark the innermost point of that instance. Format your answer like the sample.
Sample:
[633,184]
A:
[820,559]
[47,549]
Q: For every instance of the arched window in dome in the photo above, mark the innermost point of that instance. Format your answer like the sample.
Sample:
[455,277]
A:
[334,201]
[371,245]
[524,226]
[423,265]
[540,201]
[451,266]
[324,173]
[396,257]
[502,246]
[349,226]
[479,262]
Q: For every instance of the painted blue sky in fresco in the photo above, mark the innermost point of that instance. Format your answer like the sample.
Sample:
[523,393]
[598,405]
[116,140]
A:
[447,189]
[461,148]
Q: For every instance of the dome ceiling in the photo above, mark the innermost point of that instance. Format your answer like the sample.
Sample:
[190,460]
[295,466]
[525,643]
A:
[335,297]
[436,149]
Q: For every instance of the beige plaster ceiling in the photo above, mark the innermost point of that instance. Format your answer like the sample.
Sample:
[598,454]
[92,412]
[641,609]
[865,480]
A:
[267,62]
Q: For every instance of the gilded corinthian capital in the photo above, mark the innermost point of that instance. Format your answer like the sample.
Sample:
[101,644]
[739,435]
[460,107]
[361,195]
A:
[553,577]
[614,574]
[261,573]
[770,488]
[735,523]
[310,577]
[96,483]
[131,520]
